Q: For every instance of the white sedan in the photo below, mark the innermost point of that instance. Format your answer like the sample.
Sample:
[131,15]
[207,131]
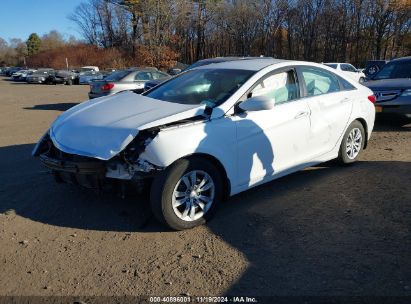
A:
[211,132]
[348,70]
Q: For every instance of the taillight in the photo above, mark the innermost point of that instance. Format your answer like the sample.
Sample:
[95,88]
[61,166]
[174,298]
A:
[372,98]
[107,87]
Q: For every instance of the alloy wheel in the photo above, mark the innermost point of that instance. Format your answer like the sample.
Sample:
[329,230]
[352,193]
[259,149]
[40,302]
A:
[353,143]
[193,195]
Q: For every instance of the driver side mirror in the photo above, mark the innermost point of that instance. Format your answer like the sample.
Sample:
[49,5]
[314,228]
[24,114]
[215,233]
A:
[257,103]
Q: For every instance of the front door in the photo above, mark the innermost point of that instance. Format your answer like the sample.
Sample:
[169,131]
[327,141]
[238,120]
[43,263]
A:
[271,141]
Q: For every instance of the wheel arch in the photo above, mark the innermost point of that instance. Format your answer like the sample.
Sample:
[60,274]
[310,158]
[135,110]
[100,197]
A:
[217,163]
[365,126]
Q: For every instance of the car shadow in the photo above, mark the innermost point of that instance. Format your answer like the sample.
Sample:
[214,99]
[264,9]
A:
[327,230]
[29,190]
[63,106]
[391,123]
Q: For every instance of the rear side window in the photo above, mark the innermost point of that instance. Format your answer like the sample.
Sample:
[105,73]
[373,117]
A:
[345,84]
[158,75]
[281,86]
[318,81]
[331,65]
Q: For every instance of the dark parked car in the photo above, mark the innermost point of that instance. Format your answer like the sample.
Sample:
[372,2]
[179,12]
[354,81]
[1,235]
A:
[392,87]
[63,77]
[127,80]
[373,66]
[12,70]
[41,76]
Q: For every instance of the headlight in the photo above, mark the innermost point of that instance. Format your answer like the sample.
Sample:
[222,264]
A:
[406,92]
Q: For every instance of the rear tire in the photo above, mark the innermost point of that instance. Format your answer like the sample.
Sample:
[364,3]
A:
[352,143]
[174,192]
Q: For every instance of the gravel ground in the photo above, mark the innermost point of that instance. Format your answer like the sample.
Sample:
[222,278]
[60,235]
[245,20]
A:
[327,230]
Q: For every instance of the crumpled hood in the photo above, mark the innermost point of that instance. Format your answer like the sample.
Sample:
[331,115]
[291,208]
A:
[388,84]
[103,127]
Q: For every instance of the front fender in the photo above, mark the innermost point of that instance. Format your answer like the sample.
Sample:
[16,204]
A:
[215,137]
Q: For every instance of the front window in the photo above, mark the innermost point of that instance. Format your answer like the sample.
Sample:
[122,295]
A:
[282,87]
[203,86]
[393,70]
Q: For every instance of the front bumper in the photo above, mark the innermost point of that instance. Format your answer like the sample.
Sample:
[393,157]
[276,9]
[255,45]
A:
[84,167]
[399,105]
[394,109]
[88,174]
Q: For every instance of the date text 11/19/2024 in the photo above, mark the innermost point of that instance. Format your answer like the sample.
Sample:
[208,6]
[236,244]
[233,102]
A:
[202,299]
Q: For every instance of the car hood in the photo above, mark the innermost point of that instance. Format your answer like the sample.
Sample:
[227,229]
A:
[389,84]
[103,127]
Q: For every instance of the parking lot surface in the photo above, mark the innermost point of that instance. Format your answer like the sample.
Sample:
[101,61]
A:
[327,230]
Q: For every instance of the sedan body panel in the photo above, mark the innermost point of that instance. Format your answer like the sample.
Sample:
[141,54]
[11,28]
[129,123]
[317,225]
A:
[252,147]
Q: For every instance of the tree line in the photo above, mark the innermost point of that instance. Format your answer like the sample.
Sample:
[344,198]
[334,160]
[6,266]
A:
[315,30]
[161,32]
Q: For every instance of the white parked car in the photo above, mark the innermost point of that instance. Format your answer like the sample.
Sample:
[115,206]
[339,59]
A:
[211,132]
[89,68]
[349,70]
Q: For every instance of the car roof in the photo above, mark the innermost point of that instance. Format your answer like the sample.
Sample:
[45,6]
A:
[408,58]
[249,64]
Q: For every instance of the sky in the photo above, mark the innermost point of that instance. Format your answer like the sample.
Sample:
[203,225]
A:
[20,18]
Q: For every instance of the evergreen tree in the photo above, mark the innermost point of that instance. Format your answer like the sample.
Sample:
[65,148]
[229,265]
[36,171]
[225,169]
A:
[33,44]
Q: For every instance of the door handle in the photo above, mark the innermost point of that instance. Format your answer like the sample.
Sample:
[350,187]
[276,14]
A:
[301,114]
[345,100]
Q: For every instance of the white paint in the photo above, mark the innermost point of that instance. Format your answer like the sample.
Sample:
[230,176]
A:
[253,147]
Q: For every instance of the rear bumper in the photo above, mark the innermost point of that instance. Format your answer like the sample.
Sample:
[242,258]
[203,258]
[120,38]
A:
[96,95]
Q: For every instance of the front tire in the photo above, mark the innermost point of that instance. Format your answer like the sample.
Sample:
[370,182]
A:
[352,143]
[187,193]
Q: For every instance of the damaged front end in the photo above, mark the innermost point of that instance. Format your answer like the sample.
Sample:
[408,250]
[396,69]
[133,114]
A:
[123,169]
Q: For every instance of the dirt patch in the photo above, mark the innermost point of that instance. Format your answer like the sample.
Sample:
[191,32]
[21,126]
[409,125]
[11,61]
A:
[327,230]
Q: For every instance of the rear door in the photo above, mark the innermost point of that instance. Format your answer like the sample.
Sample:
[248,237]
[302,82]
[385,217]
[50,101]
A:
[330,107]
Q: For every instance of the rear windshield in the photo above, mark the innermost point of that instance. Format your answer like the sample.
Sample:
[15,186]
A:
[116,76]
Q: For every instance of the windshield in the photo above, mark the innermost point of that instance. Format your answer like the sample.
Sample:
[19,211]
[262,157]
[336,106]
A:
[394,69]
[116,76]
[204,86]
